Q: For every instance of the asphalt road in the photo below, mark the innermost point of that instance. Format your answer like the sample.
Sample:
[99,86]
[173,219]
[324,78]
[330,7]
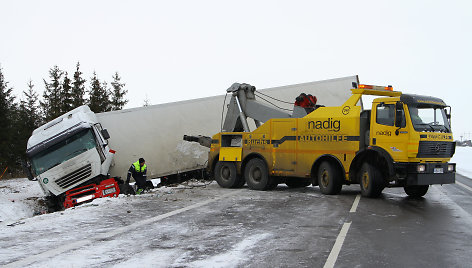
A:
[215,227]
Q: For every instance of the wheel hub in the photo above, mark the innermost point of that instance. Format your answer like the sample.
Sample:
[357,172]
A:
[256,174]
[225,173]
[325,178]
[365,180]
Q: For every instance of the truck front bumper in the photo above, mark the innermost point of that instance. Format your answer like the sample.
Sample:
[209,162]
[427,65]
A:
[427,173]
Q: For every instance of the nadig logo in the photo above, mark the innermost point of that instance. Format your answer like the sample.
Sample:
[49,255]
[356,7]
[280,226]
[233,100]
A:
[384,133]
[329,124]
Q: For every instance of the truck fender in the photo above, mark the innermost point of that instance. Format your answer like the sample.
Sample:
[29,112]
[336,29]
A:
[372,154]
[327,157]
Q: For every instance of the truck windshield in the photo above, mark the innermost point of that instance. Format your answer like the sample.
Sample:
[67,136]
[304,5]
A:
[63,151]
[432,119]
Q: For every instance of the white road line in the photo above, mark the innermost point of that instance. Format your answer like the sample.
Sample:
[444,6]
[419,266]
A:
[355,204]
[333,255]
[463,185]
[64,248]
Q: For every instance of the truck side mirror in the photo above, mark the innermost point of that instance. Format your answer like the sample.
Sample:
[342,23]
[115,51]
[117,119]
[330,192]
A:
[398,114]
[27,170]
[105,134]
[448,114]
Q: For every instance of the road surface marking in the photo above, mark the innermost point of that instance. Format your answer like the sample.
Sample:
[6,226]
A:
[333,255]
[76,245]
[463,185]
[355,204]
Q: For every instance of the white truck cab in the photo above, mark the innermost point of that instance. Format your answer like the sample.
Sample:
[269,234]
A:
[69,151]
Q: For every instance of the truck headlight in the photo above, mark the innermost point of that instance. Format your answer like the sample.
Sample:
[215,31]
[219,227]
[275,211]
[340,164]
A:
[421,168]
[450,168]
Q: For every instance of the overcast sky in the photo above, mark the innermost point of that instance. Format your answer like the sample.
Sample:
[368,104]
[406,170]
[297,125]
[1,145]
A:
[179,50]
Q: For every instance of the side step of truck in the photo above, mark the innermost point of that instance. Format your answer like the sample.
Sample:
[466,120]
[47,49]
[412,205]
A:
[76,196]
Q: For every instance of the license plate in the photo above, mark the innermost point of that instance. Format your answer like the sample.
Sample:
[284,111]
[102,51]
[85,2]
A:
[109,191]
[438,170]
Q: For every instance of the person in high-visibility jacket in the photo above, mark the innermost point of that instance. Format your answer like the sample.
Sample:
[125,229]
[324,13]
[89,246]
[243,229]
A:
[138,171]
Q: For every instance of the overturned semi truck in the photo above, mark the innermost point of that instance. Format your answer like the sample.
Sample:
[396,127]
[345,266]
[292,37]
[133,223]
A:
[82,155]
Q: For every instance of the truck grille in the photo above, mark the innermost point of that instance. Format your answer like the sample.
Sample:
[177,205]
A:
[436,149]
[74,177]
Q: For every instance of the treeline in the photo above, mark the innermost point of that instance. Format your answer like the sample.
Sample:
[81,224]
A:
[62,93]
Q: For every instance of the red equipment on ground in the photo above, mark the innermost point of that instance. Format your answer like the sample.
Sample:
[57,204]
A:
[107,188]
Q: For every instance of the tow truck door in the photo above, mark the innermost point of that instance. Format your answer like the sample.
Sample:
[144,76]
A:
[384,133]
[284,143]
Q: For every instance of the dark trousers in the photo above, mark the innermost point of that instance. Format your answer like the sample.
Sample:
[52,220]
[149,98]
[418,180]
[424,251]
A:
[140,182]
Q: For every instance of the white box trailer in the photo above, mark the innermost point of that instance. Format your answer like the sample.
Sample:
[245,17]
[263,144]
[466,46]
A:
[155,132]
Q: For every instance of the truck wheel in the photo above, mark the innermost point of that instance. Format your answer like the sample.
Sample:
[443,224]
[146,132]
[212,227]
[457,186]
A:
[416,190]
[257,175]
[371,181]
[329,179]
[297,183]
[225,174]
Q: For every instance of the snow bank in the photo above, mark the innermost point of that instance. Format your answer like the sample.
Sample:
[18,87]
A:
[18,199]
[463,159]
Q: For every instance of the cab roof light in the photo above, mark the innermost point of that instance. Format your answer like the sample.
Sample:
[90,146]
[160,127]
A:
[388,88]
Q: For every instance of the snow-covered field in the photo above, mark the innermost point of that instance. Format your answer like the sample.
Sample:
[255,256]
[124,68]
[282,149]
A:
[463,159]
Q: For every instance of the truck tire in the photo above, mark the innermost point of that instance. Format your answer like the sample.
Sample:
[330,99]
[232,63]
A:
[371,181]
[226,175]
[329,179]
[416,190]
[297,183]
[257,175]
[126,189]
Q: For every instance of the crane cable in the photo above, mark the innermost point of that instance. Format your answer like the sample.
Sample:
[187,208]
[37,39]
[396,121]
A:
[258,92]
[275,105]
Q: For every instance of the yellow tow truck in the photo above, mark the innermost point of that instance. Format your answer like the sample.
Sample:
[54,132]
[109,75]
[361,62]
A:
[404,140]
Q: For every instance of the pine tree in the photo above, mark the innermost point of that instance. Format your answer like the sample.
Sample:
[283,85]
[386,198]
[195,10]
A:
[27,120]
[51,103]
[98,95]
[7,125]
[78,88]
[118,100]
[106,98]
[66,95]
[31,106]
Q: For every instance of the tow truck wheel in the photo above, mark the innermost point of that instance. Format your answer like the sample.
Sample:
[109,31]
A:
[297,183]
[371,181]
[416,190]
[329,179]
[225,174]
[257,175]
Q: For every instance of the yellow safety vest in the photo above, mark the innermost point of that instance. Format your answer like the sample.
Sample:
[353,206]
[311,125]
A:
[138,167]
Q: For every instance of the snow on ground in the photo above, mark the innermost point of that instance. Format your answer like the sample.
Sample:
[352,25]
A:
[19,199]
[463,159]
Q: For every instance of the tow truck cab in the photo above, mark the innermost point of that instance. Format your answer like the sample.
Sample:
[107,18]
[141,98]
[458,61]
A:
[413,133]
